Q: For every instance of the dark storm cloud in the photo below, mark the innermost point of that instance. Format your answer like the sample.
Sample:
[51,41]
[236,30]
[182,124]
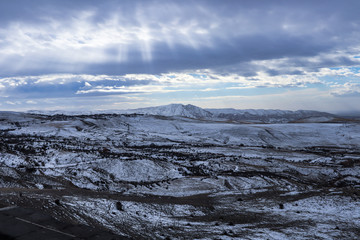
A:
[183,35]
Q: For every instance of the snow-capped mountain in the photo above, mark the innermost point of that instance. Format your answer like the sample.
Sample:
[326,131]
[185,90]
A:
[226,114]
[229,114]
[189,111]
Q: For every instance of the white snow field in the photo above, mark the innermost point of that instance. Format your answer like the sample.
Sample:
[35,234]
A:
[182,172]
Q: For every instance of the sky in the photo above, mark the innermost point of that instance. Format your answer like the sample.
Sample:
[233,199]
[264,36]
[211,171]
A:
[112,54]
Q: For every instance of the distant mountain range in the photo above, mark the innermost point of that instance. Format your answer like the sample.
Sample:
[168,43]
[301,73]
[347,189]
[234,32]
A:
[229,114]
[225,114]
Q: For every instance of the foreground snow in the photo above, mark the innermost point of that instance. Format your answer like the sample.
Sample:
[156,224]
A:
[150,176]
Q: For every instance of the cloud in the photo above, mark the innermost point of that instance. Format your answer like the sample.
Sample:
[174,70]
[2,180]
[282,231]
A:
[71,85]
[154,37]
[123,51]
[291,99]
[346,90]
[57,86]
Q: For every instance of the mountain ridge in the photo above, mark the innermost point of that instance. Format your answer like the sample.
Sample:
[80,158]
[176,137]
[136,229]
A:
[237,115]
[224,114]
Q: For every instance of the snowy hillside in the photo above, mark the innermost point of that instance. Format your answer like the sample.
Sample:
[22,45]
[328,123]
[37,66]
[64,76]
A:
[151,177]
[271,116]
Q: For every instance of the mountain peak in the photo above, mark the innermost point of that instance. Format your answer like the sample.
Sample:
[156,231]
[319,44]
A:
[175,109]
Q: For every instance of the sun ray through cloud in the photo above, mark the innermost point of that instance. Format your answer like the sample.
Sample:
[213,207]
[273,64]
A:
[78,49]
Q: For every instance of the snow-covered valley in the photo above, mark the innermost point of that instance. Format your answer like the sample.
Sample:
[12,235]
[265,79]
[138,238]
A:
[148,175]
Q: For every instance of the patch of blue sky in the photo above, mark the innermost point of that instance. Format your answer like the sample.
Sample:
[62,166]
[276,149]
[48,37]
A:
[255,91]
[199,76]
[329,79]
[352,69]
[339,79]
[318,86]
